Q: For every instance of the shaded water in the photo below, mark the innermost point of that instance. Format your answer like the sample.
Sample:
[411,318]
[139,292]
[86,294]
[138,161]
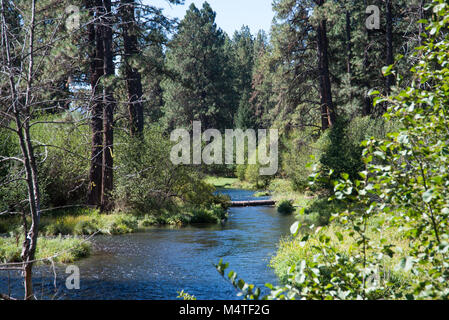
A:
[158,263]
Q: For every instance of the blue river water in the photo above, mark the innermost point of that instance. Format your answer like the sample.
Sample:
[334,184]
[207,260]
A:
[156,264]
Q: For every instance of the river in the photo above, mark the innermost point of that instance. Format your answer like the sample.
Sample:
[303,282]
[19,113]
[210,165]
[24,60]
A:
[158,263]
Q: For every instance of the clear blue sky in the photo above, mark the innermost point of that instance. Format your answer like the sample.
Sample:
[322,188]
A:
[231,14]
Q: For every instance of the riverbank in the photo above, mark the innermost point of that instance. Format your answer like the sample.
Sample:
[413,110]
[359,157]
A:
[56,249]
[159,262]
[314,214]
[69,225]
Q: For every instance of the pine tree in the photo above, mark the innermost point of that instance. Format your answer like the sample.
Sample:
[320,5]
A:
[203,88]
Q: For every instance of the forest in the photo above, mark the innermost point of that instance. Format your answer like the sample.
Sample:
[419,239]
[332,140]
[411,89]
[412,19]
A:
[358,91]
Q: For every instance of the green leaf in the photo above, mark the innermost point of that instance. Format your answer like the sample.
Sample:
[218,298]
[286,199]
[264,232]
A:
[294,229]
[428,196]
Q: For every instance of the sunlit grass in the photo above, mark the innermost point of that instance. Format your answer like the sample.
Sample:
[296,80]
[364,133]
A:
[59,249]
[291,251]
[221,182]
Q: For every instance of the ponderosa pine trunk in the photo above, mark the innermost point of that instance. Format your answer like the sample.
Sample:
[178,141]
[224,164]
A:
[389,44]
[349,51]
[133,77]
[328,115]
[367,101]
[95,37]
[108,111]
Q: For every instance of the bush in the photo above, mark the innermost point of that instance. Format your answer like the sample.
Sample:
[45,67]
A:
[240,172]
[86,227]
[147,180]
[67,250]
[63,175]
[285,207]
[119,224]
[214,215]
[299,149]
[319,211]
[342,146]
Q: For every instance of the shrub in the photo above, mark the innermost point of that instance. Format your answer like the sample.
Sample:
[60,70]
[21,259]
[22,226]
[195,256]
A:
[319,211]
[285,207]
[147,180]
[240,172]
[65,250]
[299,149]
[86,227]
[214,215]
[119,224]
[342,146]
[63,175]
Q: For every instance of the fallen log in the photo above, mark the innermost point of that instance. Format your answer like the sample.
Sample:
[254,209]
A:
[253,203]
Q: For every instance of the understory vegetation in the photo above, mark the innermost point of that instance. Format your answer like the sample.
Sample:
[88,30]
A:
[387,237]
[56,249]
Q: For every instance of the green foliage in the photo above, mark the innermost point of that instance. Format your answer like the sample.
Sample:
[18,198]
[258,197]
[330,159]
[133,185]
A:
[220,182]
[398,211]
[62,155]
[319,211]
[299,150]
[240,172]
[342,146]
[262,194]
[285,207]
[203,90]
[148,181]
[64,250]
[185,296]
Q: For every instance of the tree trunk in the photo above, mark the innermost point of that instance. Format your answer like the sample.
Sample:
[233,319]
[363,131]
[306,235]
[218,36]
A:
[367,101]
[421,28]
[348,44]
[389,44]
[328,115]
[349,52]
[26,147]
[133,77]
[108,111]
[97,72]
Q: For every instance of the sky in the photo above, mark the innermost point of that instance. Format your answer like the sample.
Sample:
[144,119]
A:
[231,14]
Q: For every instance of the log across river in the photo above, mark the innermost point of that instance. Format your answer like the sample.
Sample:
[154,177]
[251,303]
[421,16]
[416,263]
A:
[253,203]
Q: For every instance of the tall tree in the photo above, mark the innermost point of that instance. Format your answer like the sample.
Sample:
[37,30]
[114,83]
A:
[328,114]
[203,86]
[95,35]
[389,43]
[243,64]
[108,109]
[132,75]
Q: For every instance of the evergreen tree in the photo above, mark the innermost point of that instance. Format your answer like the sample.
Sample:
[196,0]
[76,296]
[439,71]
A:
[243,47]
[203,88]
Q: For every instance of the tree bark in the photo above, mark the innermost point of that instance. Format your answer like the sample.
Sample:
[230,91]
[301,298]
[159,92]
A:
[349,52]
[328,115]
[133,77]
[108,111]
[29,244]
[389,44]
[367,101]
[348,44]
[97,71]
